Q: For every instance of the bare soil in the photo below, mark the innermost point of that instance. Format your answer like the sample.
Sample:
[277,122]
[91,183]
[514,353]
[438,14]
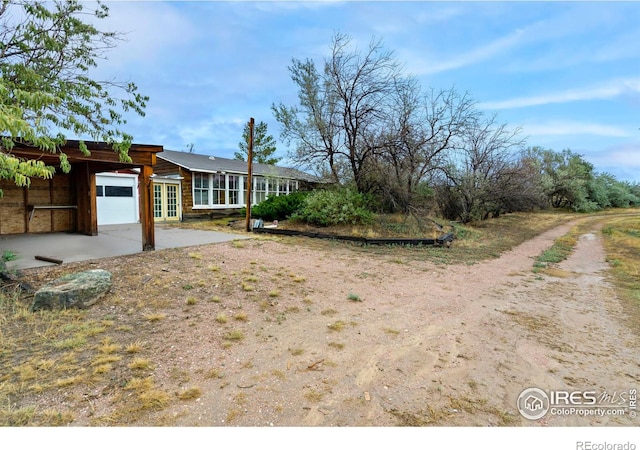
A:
[333,336]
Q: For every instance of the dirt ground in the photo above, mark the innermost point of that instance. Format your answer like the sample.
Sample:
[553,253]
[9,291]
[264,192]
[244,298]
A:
[329,335]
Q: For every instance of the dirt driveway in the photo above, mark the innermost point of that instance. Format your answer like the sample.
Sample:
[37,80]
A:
[271,333]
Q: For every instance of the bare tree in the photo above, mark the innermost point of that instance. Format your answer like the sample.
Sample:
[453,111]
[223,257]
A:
[486,176]
[421,129]
[341,109]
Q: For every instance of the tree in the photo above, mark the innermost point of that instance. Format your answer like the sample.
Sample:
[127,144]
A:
[263,145]
[342,110]
[566,177]
[486,177]
[47,53]
[421,129]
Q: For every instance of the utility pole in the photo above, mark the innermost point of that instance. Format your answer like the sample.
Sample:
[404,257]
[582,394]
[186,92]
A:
[249,173]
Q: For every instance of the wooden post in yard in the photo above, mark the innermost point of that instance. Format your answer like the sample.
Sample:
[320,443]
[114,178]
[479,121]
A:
[249,173]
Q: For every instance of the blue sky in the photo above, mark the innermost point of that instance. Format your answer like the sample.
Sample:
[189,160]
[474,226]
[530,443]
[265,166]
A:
[567,73]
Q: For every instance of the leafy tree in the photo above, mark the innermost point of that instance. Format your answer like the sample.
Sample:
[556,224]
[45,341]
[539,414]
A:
[47,52]
[566,177]
[263,145]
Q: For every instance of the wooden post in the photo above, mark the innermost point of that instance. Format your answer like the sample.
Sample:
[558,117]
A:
[87,211]
[249,173]
[146,209]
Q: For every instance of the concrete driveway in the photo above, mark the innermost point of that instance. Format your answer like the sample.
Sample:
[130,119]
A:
[112,240]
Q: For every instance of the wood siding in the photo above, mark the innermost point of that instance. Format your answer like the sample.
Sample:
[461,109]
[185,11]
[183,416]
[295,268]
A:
[15,206]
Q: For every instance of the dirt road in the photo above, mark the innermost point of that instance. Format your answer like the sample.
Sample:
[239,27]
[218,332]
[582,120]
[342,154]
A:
[425,344]
[330,336]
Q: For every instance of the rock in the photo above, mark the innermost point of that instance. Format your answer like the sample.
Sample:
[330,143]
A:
[76,290]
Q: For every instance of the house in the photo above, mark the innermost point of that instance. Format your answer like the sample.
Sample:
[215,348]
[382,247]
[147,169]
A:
[99,188]
[189,185]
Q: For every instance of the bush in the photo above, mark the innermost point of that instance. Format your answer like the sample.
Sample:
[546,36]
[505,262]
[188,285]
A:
[335,207]
[277,207]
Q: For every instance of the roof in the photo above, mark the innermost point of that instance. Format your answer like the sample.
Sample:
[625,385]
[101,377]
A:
[212,164]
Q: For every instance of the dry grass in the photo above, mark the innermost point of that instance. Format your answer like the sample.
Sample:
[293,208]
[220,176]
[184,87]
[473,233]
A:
[111,350]
[622,246]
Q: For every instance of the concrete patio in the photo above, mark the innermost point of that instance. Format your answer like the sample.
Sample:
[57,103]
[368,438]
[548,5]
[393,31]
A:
[112,240]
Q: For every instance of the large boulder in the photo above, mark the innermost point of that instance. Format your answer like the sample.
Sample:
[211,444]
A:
[76,290]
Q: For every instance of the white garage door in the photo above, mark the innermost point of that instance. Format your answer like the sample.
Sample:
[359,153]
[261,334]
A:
[117,198]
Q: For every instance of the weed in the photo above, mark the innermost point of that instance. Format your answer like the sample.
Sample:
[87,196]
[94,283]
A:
[191,301]
[329,312]
[154,399]
[155,317]
[235,335]
[237,244]
[241,317]
[222,318]
[274,293]
[336,345]
[296,351]
[213,374]
[392,331]
[134,347]
[216,299]
[313,395]
[354,297]
[140,364]
[187,287]
[190,394]
[336,326]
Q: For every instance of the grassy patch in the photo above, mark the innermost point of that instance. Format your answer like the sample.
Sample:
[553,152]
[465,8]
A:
[622,245]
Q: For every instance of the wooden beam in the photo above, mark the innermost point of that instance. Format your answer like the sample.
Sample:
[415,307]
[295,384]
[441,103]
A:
[85,182]
[146,209]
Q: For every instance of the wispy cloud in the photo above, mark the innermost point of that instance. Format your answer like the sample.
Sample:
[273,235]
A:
[568,128]
[431,65]
[608,90]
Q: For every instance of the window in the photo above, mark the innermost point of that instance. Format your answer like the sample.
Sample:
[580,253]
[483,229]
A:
[118,191]
[157,200]
[99,191]
[260,190]
[283,186]
[200,189]
[219,189]
[233,182]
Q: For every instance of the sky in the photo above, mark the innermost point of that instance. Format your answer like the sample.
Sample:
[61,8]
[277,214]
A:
[566,73]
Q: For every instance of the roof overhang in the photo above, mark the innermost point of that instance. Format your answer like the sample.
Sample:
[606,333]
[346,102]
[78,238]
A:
[101,156]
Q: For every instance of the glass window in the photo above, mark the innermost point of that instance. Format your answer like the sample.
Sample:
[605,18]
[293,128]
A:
[118,191]
[219,189]
[260,190]
[157,200]
[200,189]
[234,189]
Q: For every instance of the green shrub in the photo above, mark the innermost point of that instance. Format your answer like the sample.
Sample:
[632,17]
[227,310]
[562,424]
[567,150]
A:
[277,207]
[335,207]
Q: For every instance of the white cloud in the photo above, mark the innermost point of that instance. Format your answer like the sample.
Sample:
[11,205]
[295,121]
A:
[571,128]
[150,30]
[434,64]
[602,91]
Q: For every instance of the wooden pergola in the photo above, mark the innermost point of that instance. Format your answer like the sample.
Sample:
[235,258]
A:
[82,179]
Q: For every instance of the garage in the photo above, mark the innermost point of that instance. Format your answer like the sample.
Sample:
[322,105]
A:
[117,198]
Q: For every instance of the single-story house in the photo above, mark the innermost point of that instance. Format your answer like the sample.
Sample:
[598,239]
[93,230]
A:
[99,189]
[189,185]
